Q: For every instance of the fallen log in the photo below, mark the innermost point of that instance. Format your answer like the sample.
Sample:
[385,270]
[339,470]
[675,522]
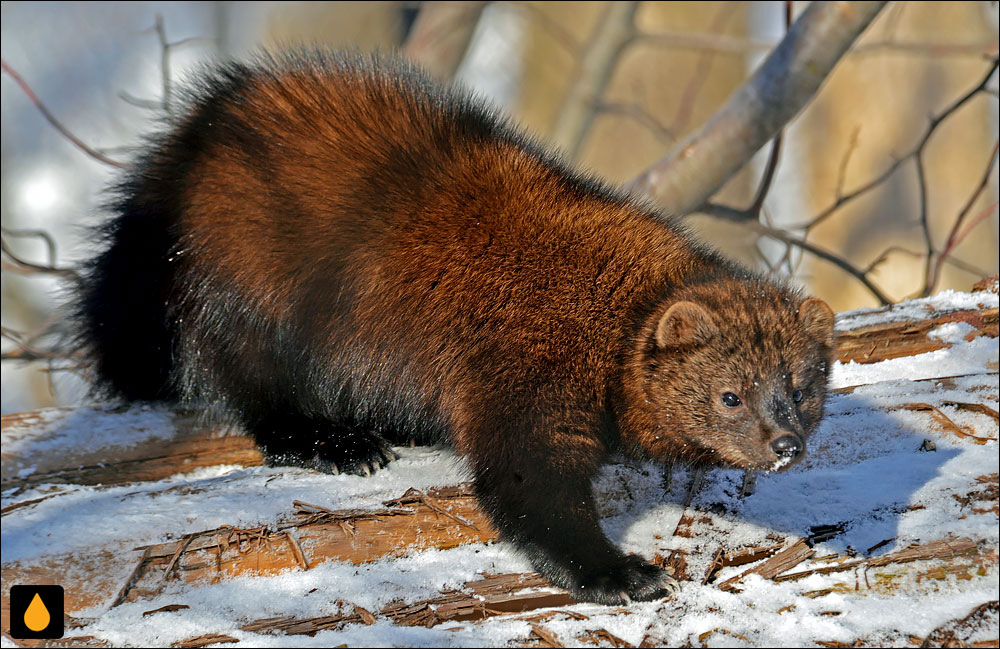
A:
[886,340]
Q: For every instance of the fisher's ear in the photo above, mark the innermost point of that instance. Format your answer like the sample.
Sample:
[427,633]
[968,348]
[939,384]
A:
[817,319]
[685,324]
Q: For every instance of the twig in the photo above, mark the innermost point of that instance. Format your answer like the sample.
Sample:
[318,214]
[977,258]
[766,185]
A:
[29,268]
[440,35]
[297,550]
[954,238]
[50,243]
[740,216]
[161,34]
[137,572]
[640,115]
[430,503]
[561,36]
[185,541]
[26,351]
[613,34]
[55,122]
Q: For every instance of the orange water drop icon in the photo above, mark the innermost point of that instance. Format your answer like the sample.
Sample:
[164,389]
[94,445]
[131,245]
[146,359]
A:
[36,617]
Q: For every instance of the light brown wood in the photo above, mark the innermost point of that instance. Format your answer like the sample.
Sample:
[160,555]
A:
[883,341]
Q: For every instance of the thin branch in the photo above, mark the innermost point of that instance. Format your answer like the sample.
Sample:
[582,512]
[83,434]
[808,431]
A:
[149,104]
[768,177]
[701,71]
[954,238]
[161,34]
[560,35]
[734,215]
[957,263]
[598,61]
[441,34]
[923,219]
[897,162]
[987,48]
[47,114]
[27,351]
[714,43]
[639,115]
[50,243]
[697,166]
[739,46]
[852,146]
[29,268]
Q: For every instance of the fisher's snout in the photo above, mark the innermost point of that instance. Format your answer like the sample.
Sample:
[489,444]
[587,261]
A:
[787,433]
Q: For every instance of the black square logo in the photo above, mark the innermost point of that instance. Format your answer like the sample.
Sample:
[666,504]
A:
[36,612]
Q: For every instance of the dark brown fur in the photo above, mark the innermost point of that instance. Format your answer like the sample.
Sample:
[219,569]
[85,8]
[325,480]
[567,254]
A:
[342,255]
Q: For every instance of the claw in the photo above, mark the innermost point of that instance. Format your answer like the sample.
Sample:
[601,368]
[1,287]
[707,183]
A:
[670,584]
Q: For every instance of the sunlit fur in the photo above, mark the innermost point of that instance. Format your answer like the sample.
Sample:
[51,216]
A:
[339,254]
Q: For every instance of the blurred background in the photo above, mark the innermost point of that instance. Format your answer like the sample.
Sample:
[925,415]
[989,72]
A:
[107,72]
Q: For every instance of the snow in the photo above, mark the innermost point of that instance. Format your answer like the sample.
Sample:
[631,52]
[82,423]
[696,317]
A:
[916,309]
[864,471]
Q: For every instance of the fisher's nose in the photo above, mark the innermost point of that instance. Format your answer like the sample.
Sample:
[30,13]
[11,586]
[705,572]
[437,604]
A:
[787,447]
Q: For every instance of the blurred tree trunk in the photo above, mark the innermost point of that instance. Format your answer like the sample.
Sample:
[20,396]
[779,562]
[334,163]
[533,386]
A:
[440,35]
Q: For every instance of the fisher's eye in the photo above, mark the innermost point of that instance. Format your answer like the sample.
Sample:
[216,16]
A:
[797,396]
[730,400]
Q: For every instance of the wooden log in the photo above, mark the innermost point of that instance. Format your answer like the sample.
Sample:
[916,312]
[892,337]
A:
[442,518]
[186,443]
[882,341]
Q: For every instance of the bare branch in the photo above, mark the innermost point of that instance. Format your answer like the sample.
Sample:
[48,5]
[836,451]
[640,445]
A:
[925,225]
[27,351]
[987,48]
[639,115]
[53,121]
[740,46]
[727,213]
[149,104]
[697,166]
[615,31]
[560,35]
[956,235]
[714,43]
[24,267]
[50,243]
[700,73]
[897,162]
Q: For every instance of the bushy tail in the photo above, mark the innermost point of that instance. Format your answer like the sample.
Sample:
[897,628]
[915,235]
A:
[123,324]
